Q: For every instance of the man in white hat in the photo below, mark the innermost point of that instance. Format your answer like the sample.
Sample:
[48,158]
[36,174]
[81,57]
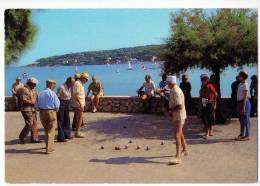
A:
[177,114]
[27,98]
[18,84]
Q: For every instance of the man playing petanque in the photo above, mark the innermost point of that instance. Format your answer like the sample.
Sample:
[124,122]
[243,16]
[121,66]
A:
[177,114]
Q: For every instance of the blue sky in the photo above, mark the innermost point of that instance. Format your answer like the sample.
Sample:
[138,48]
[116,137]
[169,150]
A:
[62,31]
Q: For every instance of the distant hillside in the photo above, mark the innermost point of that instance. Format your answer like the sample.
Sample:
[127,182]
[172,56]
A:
[141,53]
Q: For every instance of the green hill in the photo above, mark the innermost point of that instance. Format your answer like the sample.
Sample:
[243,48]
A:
[141,53]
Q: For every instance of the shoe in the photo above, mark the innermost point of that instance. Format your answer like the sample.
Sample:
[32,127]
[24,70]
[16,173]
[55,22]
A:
[244,138]
[21,141]
[205,137]
[238,137]
[50,151]
[185,153]
[61,141]
[94,110]
[175,161]
[36,141]
[79,135]
[70,138]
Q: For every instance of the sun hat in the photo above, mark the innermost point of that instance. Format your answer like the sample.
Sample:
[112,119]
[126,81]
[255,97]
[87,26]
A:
[171,79]
[84,75]
[77,76]
[51,81]
[33,80]
[204,76]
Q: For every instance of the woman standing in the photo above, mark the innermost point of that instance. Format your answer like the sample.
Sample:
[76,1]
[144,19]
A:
[243,107]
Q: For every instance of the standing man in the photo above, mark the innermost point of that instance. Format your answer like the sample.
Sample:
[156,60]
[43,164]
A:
[186,89]
[18,84]
[76,77]
[234,87]
[64,95]
[48,103]
[78,102]
[177,115]
[27,98]
[208,95]
[97,90]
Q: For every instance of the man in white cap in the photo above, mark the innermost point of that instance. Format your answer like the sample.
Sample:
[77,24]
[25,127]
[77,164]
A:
[177,115]
[78,102]
[18,84]
[27,98]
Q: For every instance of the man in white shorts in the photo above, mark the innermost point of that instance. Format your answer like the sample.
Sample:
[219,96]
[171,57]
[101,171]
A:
[177,115]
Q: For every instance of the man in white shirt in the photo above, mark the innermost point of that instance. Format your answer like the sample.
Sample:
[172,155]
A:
[177,113]
[78,102]
[64,95]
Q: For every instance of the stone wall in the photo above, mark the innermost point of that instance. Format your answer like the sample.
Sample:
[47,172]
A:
[130,105]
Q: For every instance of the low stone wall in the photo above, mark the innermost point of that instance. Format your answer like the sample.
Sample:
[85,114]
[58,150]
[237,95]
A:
[130,105]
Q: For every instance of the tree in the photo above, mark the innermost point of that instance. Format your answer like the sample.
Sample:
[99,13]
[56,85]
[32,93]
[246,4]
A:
[225,37]
[19,33]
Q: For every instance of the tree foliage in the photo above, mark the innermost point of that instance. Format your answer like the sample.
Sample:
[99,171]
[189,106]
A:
[19,33]
[226,37]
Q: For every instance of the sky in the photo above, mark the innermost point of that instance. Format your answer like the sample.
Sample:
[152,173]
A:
[62,31]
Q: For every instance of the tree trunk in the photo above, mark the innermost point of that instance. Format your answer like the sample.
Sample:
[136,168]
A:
[220,118]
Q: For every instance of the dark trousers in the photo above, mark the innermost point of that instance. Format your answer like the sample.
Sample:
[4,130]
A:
[64,128]
[244,119]
[208,115]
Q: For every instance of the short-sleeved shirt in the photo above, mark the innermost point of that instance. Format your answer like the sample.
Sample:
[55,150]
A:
[162,84]
[64,92]
[78,88]
[209,92]
[177,98]
[26,93]
[95,88]
[240,90]
[17,86]
[149,87]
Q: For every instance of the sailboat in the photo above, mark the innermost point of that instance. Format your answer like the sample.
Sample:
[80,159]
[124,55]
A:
[129,66]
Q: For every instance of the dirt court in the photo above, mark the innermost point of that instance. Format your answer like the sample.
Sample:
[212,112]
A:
[217,160]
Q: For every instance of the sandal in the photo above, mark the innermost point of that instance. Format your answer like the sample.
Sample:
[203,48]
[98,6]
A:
[175,161]
[238,137]
[185,153]
[244,138]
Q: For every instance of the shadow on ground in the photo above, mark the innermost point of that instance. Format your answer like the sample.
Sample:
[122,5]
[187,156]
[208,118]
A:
[128,160]
[148,127]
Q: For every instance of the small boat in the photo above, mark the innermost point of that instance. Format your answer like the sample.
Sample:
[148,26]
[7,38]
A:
[129,66]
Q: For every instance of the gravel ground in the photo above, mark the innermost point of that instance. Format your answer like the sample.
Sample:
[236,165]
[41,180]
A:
[217,160]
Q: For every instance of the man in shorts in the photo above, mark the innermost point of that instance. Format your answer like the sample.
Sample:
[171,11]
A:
[177,114]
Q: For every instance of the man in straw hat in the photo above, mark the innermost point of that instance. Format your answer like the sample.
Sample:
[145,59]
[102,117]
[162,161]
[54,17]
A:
[78,102]
[177,115]
[76,77]
[27,98]
[48,104]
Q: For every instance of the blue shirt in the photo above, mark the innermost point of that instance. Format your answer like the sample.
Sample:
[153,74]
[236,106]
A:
[162,84]
[47,99]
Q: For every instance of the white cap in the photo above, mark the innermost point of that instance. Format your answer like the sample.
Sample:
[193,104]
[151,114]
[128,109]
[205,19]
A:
[33,80]
[171,79]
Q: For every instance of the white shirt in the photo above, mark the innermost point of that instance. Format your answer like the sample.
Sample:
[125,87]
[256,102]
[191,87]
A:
[149,87]
[64,92]
[78,88]
[242,87]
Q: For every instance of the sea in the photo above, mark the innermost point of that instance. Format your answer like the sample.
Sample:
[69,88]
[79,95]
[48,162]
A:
[117,79]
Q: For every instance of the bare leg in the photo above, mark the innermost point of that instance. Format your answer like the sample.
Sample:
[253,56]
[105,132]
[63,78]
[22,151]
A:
[178,136]
[183,142]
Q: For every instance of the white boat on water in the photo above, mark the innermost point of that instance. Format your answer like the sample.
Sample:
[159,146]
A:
[129,66]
